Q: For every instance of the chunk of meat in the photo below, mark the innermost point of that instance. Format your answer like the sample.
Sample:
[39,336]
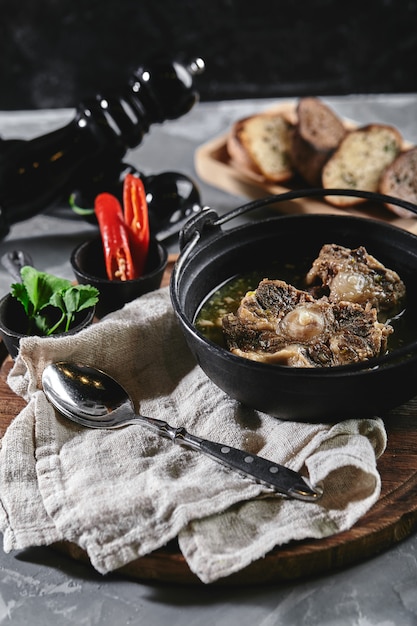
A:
[278,323]
[355,276]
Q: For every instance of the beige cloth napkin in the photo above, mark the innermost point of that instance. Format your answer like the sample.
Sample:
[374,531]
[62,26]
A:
[122,494]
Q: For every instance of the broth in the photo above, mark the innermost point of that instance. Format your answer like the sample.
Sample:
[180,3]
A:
[227,297]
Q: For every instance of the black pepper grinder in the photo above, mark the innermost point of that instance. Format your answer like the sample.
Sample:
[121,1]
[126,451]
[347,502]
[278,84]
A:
[37,173]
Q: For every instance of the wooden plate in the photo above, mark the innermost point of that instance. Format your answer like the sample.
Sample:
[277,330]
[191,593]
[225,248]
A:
[390,520]
[214,166]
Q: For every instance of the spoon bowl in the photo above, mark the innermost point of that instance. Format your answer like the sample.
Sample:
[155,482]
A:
[86,396]
[94,399]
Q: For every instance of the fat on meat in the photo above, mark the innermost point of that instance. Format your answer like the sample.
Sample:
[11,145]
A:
[353,275]
[278,323]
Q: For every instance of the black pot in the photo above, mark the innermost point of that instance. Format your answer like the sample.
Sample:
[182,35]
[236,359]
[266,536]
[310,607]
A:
[210,256]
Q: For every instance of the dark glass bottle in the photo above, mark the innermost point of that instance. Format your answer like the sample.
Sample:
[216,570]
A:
[38,173]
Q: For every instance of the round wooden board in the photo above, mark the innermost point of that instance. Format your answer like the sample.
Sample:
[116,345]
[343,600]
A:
[390,520]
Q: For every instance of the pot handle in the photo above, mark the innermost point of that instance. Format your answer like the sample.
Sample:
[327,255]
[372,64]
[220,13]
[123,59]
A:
[208,221]
[312,193]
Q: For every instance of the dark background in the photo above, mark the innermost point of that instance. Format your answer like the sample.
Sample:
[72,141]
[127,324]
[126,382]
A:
[54,53]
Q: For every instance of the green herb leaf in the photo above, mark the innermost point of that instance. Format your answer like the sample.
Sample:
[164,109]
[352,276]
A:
[42,324]
[40,290]
[78,298]
[19,291]
[87,296]
[41,286]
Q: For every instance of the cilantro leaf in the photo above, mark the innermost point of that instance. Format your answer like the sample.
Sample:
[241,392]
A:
[41,286]
[19,291]
[40,291]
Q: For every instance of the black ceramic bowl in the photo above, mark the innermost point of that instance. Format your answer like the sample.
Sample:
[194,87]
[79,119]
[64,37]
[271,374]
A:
[88,265]
[211,255]
[14,323]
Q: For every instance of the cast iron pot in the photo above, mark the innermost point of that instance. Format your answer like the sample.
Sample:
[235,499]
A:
[210,255]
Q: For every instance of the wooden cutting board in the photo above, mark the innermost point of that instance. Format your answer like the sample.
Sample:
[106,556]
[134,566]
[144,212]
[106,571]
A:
[390,520]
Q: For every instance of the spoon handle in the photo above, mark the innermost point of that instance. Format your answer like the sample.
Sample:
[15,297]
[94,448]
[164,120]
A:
[14,260]
[278,477]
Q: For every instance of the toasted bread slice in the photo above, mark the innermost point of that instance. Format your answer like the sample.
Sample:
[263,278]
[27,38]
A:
[316,136]
[400,180]
[360,160]
[259,146]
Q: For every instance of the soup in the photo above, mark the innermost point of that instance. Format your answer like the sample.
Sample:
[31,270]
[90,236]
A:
[227,298]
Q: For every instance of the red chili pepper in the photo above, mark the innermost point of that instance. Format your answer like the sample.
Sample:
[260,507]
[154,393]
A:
[124,232]
[115,238]
[137,219]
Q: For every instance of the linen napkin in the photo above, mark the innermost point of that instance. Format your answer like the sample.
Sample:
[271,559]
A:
[121,494]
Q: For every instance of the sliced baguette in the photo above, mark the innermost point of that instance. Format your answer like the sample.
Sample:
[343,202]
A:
[360,160]
[259,146]
[400,180]
[316,136]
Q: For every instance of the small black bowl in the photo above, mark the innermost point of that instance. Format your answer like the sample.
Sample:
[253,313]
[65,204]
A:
[88,265]
[14,323]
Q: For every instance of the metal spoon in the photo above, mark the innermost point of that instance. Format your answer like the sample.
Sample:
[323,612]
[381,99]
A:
[94,399]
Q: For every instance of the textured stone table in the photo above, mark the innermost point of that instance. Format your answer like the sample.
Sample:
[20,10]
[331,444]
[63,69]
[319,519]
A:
[42,587]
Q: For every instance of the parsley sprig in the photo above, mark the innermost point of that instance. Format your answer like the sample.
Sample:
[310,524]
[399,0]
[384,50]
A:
[43,294]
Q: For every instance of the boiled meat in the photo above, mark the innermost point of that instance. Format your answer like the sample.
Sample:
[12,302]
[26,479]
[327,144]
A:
[349,275]
[278,323]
